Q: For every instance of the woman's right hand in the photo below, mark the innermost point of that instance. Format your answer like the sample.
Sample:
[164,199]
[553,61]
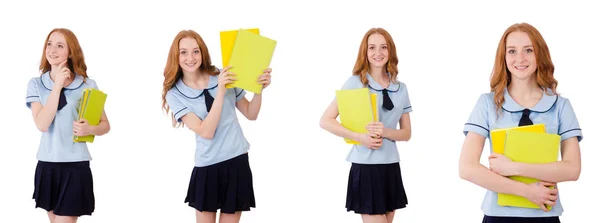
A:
[62,75]
[370,140]
[225,78]
[541,195]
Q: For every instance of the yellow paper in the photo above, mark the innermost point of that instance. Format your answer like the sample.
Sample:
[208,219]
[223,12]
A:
[227,42]
[528,147]
[498,136]
[355,110]
[374,107]
[251,55]
[92,108]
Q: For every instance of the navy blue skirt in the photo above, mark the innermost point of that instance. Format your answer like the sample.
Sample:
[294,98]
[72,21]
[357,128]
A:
[226,185]
[493,219]
[375,189]
[64,188]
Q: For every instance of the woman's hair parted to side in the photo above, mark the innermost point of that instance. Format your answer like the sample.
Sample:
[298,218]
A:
[173,71]
[361,67]
[545,69]
[76,61]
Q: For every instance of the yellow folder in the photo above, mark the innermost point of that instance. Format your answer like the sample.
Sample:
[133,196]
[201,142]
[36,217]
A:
[356,110]
[528,147]
[250,56]
[498,136]
[227,42]
[374,107]
[91,109]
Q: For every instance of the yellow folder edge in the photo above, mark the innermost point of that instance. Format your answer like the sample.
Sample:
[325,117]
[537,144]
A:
[498,136]
[227,41]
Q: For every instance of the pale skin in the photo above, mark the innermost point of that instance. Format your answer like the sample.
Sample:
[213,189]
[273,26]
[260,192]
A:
[377,55]
[57,54]
[521,62]
[190,60]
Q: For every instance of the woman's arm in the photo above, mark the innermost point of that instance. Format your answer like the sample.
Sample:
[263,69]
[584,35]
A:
[473,171]
[402,134]
[328,122]
[567,169]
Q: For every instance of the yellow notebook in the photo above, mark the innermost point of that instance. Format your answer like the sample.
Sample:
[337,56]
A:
[251,55]
[227,42]
[91,108]
[356,110]
[528,147]
[498,136]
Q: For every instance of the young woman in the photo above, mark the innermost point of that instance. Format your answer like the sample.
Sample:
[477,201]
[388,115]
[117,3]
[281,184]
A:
[194,90]
[63,179]
[523,92]
[375,188]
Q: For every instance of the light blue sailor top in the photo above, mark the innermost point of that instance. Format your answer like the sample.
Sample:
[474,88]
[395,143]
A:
[388,152]
[57,143]
[228,141]
[554,111]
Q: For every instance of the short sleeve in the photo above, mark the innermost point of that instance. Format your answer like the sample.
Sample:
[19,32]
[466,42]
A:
[568,126]
[176,106]
[478,120]
[352,83]
[93,84]
[239,94]
[33,94]
[407,107]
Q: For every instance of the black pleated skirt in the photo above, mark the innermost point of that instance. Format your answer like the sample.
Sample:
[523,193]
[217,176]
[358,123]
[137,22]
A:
[226,185]
[492,219]
[64,188]
[375,189]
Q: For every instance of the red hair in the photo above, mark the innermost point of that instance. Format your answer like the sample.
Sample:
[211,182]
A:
[361,67]
[544,72]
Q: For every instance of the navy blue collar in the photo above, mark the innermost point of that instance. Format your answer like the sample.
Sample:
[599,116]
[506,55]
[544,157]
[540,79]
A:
[548,100]
[48,83]
[195,93]
[375,86]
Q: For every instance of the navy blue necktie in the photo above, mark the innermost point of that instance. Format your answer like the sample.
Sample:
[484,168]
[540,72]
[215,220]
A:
[387,101]
[208,99]
[525,118]
[62,100]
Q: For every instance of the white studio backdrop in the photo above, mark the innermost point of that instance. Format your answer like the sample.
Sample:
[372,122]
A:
[142,167]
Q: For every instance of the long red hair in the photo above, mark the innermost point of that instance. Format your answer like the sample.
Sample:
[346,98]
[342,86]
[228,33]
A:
[545,68]
[361,67]
[75,61]
[173,71]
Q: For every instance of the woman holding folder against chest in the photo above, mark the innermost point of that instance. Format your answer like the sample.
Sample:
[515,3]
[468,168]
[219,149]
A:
[63,179]
[375,188]
[523,92]
[194,90]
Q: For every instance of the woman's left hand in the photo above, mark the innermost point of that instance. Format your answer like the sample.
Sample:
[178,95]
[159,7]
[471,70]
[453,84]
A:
[265,78]
[81,128]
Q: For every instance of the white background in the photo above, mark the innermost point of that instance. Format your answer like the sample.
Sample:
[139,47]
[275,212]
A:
[142,167]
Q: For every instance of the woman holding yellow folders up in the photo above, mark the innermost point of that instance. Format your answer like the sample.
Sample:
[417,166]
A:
[63,179]
[194,90]
[523,93]
[375,188]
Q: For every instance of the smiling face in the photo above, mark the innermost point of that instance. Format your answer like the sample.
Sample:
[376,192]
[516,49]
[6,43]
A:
[57,50]
[190,57]
[377,51]
[520,56]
